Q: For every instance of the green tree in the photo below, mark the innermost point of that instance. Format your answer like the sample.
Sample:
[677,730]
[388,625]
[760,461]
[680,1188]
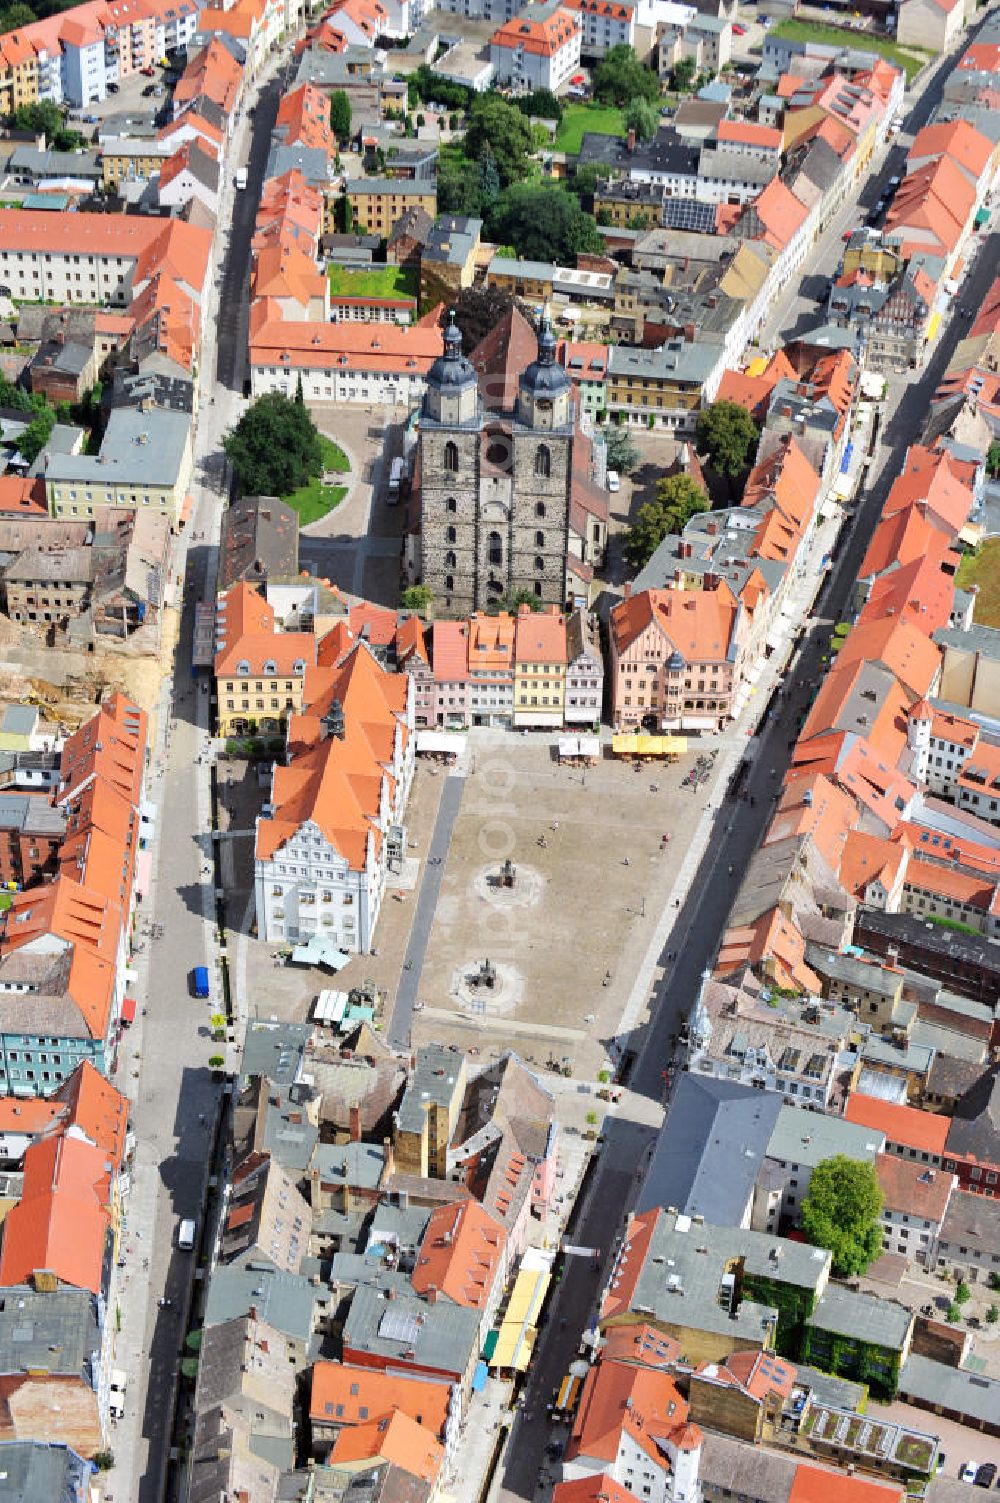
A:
[458,189]
[15,16]
[300,396]
[541,103]
[992,1314]
[46,117]
[993,460]
[494,123]
[620,77]
[962,1293]
[585,179]
[728,435]
[623,455]
[343,214]
[953,1314]
[641,116]
[36,435]
[416,597]
[340,115]
[677,500]
[544,223]
[842,1212]
[518,598]
[682,74]
[489,178]
[274,448]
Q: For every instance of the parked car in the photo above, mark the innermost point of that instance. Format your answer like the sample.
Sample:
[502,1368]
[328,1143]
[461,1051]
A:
[112,88]
[148,72]
[149,89]
[967,1472]
[738,30]
[986,1474]
[614,483]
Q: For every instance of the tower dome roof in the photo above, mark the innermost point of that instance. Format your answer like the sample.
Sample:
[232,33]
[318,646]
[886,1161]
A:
[544,376]
[451,369]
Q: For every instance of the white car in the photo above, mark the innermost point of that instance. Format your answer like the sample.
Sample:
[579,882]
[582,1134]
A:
[116,1393]
[614,483]
[968,1472]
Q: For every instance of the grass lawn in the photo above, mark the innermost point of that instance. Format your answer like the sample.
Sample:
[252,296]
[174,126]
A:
[910,59]
[578,119]
[314,500]
[6,899]
[375,281]
[983,569]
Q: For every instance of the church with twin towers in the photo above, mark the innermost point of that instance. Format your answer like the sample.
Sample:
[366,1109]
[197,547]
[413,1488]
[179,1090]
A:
[508,499]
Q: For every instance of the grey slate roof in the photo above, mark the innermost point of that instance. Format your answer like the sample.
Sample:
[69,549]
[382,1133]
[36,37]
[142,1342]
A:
[932,1383]
[863,1317]
[275,1050]
[31,1470]
[286,1301]
[709,1149]
[54,1333]
[139,448]
[433,1079]
[441,1336]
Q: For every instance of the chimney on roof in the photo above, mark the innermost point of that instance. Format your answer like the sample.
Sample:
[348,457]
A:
[355,1124]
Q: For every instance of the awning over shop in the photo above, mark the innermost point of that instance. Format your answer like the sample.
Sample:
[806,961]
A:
[479,1377]
[330,1008]
[128,1010]
[451,743]
[517,1334]
[632,745]
[933,324]
[588,747]
[320,951]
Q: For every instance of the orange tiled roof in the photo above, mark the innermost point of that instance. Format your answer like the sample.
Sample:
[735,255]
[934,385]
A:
[780,213]
[617,1396]
[900,646]
[30,1115]
[813,1484]
[542,36]
[811,804]
[394,1438]
[926,1132]
[539,636]
[337,782]
[99,1110]
[870,858]
[342,1395]
[698,623]
[110,745]
[304,116]
[461,1254]
[957,139]
[246,633]
[62,1222]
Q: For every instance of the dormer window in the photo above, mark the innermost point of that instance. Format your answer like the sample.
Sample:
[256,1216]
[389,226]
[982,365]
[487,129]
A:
[270,668]
[243,668]
[299,666]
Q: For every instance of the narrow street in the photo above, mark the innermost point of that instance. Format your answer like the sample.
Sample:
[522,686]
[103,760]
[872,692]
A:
[165,1066]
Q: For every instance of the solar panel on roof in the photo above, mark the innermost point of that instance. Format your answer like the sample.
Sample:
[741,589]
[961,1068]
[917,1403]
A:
[399,1325]
[688,214]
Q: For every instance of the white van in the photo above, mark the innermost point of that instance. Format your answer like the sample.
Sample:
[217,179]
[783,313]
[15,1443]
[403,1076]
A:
[116,1393]
[614,484]
[397,471]
[186,1234]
